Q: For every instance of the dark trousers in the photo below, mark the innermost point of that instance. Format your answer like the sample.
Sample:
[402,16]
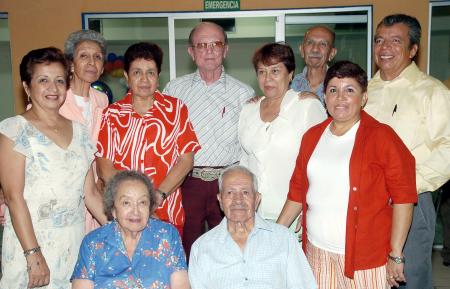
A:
[445,214]
[419,245]
[200,206]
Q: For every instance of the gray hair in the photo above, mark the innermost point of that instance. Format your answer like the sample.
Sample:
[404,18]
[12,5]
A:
[75,38]
[122,176]
[238,168]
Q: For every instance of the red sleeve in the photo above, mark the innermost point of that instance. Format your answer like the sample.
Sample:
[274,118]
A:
[298,185]
[400,169]
[105,147]
[187,139]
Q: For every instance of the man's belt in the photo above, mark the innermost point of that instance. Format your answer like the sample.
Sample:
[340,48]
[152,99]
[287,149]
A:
[207,174]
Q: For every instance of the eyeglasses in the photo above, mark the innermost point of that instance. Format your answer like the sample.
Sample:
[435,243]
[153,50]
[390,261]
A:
[215,45]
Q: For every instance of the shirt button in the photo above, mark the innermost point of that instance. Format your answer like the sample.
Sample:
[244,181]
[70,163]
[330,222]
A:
[246,279]
[354,189]
[243,261]
[355,208]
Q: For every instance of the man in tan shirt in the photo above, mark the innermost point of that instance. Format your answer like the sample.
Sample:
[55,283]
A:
[417,107]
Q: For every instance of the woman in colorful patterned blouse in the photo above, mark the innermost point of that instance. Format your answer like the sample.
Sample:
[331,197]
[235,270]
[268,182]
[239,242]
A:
[134,250]
[149,132]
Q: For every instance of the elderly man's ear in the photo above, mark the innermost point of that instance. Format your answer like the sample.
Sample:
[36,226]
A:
[257,200]
[332,54]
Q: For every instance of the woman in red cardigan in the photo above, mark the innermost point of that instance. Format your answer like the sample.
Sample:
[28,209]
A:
[355,182]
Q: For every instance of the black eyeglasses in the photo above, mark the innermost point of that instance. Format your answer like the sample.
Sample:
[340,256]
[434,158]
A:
[215,45]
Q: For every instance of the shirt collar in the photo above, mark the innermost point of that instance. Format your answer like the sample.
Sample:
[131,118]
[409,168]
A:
[410,73]
[197,78]
[319,89]
[260,224]
[158,101]
[113,236]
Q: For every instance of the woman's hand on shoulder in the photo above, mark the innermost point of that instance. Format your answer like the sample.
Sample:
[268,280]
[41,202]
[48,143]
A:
[254,99]
[38,272]
[308,94]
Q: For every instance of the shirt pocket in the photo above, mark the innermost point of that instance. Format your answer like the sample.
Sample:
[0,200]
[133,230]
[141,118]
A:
[226,130]
[408,126]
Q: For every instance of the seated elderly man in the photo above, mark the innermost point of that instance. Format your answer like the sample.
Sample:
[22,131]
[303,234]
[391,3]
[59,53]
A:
[244,250]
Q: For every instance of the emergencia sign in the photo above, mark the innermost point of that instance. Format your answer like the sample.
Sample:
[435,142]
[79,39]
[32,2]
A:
[221,5]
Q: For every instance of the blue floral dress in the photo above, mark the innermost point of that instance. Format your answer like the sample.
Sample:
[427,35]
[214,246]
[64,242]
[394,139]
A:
[54,182]
[103,258]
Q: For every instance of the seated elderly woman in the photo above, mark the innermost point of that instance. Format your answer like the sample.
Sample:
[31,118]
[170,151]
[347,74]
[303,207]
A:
[355,181]
[270,129]
[134,250]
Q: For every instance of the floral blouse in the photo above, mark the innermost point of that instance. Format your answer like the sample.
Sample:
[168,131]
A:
[103,258]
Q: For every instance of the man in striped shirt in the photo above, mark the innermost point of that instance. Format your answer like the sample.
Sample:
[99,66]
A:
[214,100]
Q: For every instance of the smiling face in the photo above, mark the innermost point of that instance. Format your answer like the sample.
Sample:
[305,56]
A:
[209,58]
[142,77]
[48,85]
[131,206]
[344,98]
[273,79]
[392,50]
[87,61]
[237,198]
[317,47]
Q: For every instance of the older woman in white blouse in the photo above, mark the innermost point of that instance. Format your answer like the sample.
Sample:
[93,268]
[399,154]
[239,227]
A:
[270,129]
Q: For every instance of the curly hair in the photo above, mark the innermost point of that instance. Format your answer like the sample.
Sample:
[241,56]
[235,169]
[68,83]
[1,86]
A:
[113,185]
[75,38]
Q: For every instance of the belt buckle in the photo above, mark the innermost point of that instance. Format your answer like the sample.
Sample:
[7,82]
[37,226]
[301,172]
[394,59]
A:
[209,174]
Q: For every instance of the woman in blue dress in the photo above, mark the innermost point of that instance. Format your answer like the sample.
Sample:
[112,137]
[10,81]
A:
[134,250]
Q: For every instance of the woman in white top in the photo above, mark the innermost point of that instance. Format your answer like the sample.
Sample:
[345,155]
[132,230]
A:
[270,129]
[86,52]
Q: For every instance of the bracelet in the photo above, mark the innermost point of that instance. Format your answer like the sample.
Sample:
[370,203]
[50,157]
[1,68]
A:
[29,252]
[163,194]
[397,260]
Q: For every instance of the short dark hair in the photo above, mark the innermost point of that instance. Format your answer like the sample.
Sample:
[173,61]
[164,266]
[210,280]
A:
[122,176]
[143,50]
[191,35]
[413,24]
[345,68]
[273,53]
[45,55]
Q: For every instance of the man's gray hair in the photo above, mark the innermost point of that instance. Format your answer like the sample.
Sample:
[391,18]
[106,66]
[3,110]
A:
[111,190]
[75,38]
[238,168]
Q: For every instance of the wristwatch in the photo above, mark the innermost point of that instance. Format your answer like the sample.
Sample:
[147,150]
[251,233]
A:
[397,260]
[163,194]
